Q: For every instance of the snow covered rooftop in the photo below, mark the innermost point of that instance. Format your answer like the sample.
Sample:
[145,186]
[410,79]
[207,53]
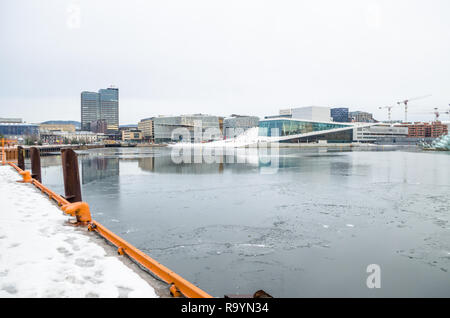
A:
[43,256]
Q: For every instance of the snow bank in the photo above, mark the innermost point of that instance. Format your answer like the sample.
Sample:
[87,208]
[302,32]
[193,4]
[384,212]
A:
[42,256]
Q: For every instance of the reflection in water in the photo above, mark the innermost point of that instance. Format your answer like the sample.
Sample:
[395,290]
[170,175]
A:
[164,164]
[99,168]
[240,162]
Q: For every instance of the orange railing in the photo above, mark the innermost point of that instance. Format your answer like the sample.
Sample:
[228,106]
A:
[178,285]
[9,152]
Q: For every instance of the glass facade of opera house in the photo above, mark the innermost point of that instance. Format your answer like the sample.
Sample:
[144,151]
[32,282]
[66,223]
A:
[296,127]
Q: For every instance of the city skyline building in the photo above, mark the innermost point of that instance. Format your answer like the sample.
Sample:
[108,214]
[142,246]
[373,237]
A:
[99,126]
[426,130]
[14,130]
[164,127]
[236,124]
[361,117]
[109,107]
[146,126]
[340,115]
[90,110]
[103,105]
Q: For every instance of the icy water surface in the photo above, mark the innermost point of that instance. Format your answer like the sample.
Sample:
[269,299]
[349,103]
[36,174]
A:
[309,228]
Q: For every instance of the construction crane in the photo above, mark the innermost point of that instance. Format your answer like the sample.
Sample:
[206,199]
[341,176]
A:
[447,112]
[406,101]
[437,113]
[389,108]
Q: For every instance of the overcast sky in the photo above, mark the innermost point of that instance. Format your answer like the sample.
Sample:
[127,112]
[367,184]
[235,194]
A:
[223,57]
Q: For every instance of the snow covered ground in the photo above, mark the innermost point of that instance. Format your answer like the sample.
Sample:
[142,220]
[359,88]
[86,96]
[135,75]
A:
[42,256]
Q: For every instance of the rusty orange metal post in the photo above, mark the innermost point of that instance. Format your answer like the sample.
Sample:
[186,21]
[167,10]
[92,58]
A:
[20,158]
[72,187]
[35,156]
[11,154]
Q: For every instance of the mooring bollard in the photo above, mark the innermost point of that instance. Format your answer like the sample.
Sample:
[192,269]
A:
[26,177]
[72,187]
[35,156]
[80,210]
[20,158]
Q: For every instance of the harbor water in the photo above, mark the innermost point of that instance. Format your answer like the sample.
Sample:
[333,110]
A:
[309,226]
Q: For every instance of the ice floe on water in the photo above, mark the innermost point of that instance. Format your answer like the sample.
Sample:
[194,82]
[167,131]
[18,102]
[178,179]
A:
[253,245]
[42,256]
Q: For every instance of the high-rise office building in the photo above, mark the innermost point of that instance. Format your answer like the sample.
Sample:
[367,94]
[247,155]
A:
[109,107]
[103,105]
[90,110]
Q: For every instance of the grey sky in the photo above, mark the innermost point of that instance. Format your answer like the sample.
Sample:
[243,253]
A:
[223,57]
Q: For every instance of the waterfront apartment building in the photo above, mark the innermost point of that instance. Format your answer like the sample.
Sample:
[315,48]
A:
[236,124]
[426,130]
[102,105]
[181,128]
[146,127]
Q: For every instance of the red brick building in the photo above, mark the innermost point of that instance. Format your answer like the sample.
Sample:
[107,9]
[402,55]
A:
[424,130]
